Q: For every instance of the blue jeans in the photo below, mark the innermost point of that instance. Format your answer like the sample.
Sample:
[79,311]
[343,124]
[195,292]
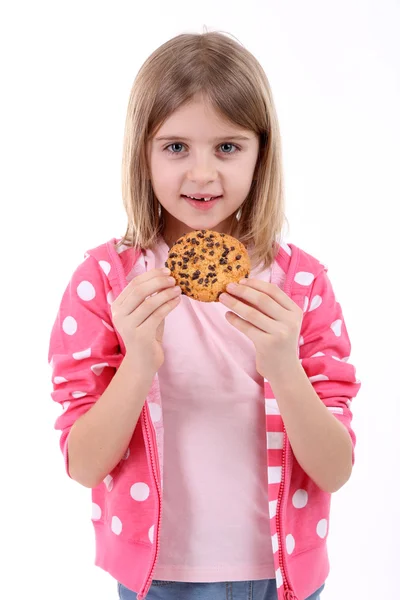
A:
[263,589]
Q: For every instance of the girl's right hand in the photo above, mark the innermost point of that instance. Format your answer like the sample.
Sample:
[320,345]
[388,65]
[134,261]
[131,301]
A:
[139,317]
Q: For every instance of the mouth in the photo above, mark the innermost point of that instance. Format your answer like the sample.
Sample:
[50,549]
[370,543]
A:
[201,199]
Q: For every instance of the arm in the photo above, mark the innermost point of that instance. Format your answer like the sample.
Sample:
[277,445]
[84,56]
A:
[315,395]
[320,443]
[99,438]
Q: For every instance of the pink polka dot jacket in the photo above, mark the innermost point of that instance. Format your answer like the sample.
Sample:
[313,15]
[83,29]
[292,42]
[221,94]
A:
[84,353]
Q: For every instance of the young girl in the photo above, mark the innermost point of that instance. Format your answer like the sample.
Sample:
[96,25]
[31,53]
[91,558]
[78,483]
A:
[212,434]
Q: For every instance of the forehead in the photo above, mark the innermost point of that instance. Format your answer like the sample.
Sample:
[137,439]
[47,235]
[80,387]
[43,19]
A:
[198,120]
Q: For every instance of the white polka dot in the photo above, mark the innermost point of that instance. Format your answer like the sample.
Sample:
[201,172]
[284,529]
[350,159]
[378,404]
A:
[107,325]
[301,340]
[304,278]
[66,405]
[78,394]
[126,455]
[105,266]
[60,380]
[151,534]
[337,327]
[69,325]
[275,545]
[98,369]
[290,543]
[272,508]
[278,577]
[337,358]
[96,511]
[116,525]
[322,528]
[83,354]
[155,411]
[109,482]
[110,297]
[300,499]
[305,304]
[140,491]
[86,291]
[318,354]
[315,303]
[320,377]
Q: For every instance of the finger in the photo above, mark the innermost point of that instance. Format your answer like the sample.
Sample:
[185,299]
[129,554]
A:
[249,330]
[141,291]
[153,321]
[271,289]
[152,304]
[250,314]
[258,299]
[138,280]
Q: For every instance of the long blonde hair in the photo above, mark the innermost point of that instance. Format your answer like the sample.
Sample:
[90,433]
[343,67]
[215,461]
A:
[232,80]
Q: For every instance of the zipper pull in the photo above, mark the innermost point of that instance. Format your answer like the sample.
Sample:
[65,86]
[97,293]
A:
[289,595]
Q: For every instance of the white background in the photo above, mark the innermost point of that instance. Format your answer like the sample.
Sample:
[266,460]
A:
[66,72]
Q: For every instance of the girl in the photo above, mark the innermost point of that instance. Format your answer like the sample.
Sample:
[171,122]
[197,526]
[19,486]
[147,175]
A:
[212,434]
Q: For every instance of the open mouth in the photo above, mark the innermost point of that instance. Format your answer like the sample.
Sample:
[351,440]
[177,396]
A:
[201,199]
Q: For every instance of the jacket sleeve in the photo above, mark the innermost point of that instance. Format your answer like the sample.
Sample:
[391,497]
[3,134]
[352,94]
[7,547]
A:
[325,351]
[84,351]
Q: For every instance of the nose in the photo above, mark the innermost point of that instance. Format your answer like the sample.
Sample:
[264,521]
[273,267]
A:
[202,170]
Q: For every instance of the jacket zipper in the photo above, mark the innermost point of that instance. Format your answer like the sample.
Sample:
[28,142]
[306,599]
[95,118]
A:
[287,591]
[157,532]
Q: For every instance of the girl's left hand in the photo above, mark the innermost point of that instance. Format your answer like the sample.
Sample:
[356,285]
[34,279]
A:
[271,320]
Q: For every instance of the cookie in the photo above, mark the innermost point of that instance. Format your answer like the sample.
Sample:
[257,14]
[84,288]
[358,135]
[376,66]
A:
[204,262]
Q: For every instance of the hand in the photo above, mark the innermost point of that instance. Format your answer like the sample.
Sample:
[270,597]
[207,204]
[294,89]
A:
[270,319]
[138,315]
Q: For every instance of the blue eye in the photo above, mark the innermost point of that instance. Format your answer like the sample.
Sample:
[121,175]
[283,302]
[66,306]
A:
[181,144]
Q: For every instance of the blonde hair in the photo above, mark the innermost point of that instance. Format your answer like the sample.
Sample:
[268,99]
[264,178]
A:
[228,76]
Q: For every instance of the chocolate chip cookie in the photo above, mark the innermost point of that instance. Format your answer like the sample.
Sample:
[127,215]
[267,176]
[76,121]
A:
[204,262]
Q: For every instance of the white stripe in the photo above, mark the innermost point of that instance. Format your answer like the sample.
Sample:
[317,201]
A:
[279,580]
[274,440]
[275,545]
[335,409]
[272,508]
[274,474]
[271,407]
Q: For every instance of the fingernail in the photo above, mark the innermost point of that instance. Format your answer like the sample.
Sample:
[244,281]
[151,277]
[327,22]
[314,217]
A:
[168,271]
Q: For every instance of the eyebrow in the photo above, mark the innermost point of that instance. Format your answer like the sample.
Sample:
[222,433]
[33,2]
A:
[184,139]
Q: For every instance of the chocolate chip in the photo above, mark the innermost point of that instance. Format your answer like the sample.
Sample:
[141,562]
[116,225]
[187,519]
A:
[211,253]
[230,268]
[200,235]
[185,267]
[217,244]
[211,267]
[232,247]
[238,257]
[185,259]
[180,263]
[238,266]
[202,257]
[225,252]
[223,261]
[173,255]
[203,250]
[195,260]
[210,274]
[182,282]
[215,280]
[194,240]
[188,239]
[196,275]
[210,245]
[187,253]
[201,280]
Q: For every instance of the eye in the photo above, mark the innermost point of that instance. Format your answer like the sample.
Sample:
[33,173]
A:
[238,149]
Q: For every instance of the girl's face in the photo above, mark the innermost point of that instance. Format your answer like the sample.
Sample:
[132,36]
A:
[200,154]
